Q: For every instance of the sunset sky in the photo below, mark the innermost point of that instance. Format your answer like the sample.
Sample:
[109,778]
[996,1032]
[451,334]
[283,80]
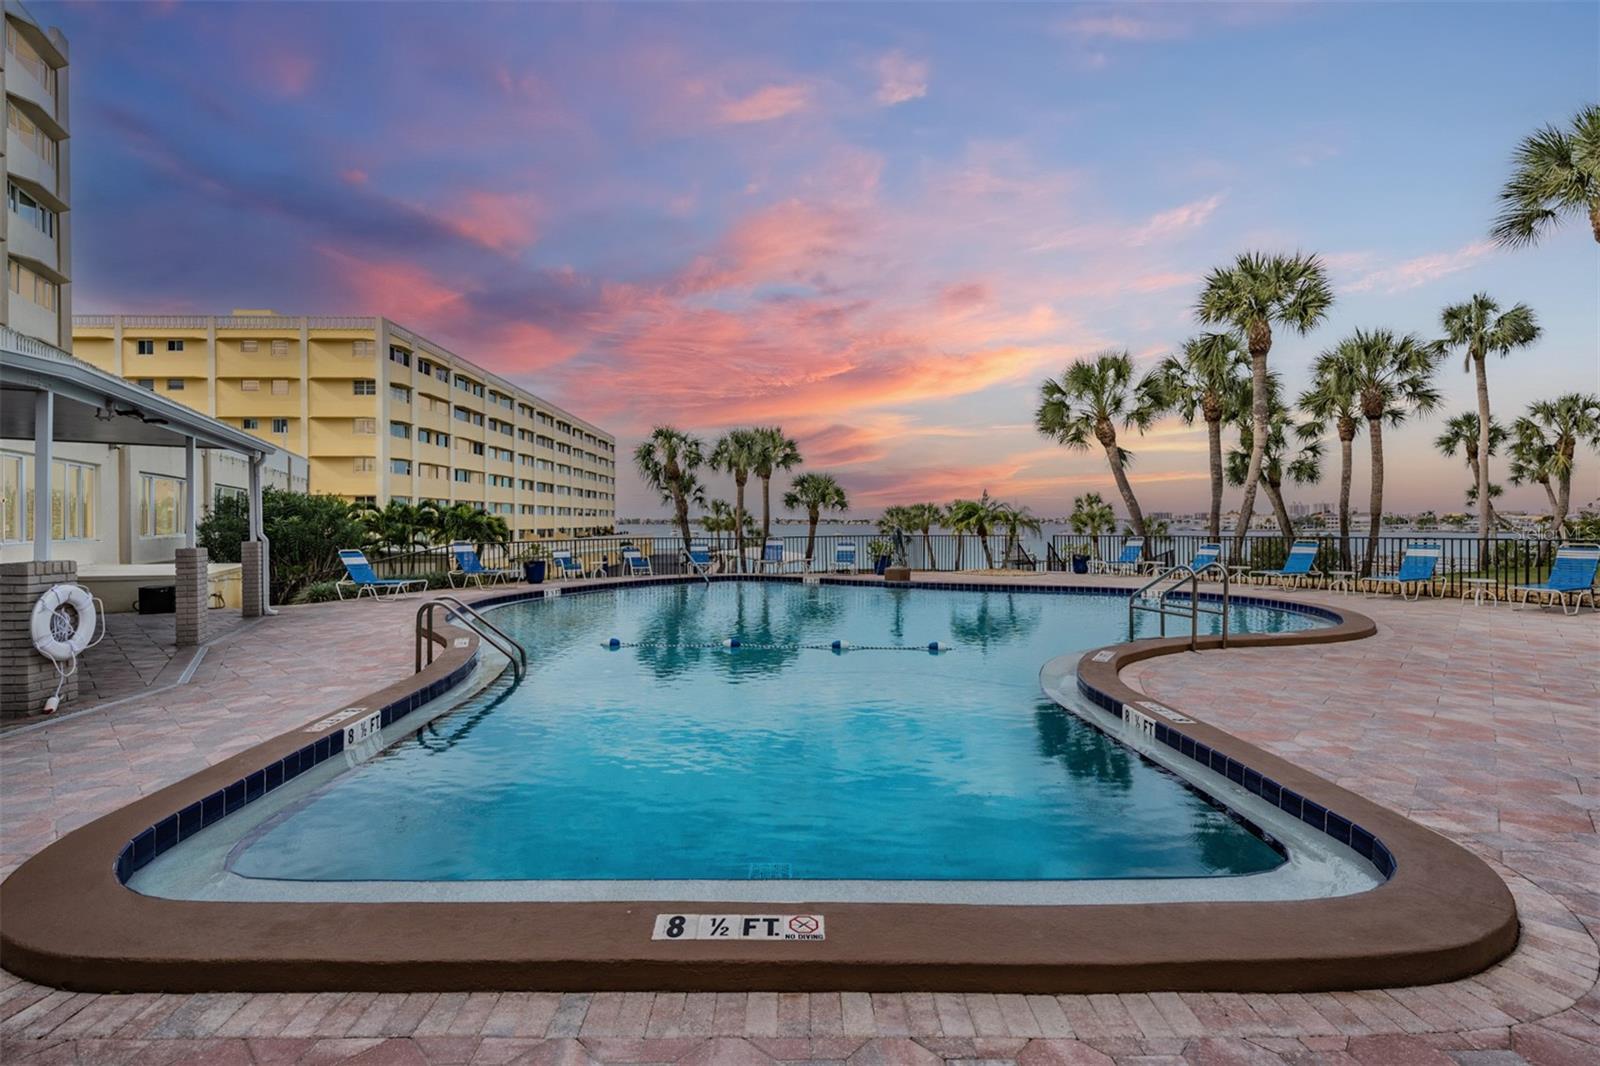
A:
[879,226]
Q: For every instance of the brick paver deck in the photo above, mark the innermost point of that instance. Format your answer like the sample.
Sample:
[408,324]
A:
[1483,723]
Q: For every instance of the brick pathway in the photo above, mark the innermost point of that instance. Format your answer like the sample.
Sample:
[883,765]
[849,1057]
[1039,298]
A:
[1481,722]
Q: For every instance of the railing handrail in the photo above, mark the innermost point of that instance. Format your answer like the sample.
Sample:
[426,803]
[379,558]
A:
[474,621]
[1178,576]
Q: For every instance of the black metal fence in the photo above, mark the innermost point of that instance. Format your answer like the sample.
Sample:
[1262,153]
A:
[1510,562]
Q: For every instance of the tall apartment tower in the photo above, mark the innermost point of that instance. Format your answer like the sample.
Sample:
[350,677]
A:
[34,236]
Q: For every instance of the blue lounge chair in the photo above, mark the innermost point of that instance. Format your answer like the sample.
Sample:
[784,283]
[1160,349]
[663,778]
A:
[1415,575]
[565,565]
[636,562]
[360,576]
[471,569]
[1571,578]
[1126,563]
[1207,557]
[1296,569]
[772,558]
[844,558]
[698,559]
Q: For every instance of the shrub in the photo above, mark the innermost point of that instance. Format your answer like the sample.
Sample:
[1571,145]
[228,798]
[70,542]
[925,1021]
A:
[306,532]
[318,592]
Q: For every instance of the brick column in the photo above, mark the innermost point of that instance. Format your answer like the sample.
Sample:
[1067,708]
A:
[194,594]
[252,595]
[27,678]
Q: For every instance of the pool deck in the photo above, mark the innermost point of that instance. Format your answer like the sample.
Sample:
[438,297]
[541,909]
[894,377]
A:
[1479,722]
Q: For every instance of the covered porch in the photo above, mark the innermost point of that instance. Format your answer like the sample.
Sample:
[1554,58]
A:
[49,398]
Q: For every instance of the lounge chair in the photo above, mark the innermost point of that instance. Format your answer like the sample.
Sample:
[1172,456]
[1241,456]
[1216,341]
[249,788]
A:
[1126,563]
[636,563]
[772,558]
[360,576]
[471,569]
[844,558]
[698,559]
[1415,575]
[1571,578]
[1296,569]
[1021,559]
[1206,557]
[565,565]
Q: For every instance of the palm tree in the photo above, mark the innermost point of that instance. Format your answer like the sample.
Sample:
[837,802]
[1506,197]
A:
[1092,516]
[1015,519]
[736,453]
[1207,382]
[718,519]
[1530,454]
[667,461]
[816,493]
[1391,377]
[922,517]
[976,517]
[1557,173]
[1477,329]
[1251,296]
[1332,398]
[396,526]
[1087,402]
[1562,424]
[771,451]
[470,523]
[1461,433]
[1303,467]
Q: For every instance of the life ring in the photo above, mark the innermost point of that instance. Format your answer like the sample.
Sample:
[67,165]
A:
[63,622]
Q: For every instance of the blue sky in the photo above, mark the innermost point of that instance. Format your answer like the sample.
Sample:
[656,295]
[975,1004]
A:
[878,225]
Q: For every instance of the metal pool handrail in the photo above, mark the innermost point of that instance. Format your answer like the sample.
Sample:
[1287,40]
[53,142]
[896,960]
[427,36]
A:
[1180,576]
[473,621]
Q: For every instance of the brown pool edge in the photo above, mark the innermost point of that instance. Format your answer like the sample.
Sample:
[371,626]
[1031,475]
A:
[67,920]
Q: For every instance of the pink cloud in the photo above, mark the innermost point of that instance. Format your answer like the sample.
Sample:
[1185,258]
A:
[900,78]
[353,176]
[500,222]
[1178,220]
[766,104]
[284,72]
[1423,269]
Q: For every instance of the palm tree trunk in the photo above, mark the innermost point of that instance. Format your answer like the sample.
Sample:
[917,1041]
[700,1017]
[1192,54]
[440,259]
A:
[1214,446]
[1375,501]
[1564,497]
[1135,516]
[1480,460]
[961,538]
[1275,497]
[1594,219]
[766,510]
[680,504]
[1258,442]
[988,552]
[1344,499]
[738,519]
[812,514]
[927,548]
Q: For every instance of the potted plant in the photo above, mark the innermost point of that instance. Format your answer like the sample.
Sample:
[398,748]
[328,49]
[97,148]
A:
[533,559]
[880,550]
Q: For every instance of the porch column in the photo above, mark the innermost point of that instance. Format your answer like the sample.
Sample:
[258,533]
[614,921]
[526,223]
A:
[192,482]
[194,595]
[44,424]
[252,554]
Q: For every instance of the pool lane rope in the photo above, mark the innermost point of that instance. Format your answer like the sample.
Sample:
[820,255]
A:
[933,647]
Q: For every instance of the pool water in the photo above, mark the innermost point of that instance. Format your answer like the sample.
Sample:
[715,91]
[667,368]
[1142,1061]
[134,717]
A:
[674,757]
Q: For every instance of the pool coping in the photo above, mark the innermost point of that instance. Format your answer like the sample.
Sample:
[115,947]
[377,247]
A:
[1442,914]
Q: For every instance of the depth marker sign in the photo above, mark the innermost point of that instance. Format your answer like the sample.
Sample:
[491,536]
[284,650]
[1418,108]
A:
[739,927]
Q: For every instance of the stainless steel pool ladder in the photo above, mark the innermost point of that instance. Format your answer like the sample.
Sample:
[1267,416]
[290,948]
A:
[1176,579]
[473,621]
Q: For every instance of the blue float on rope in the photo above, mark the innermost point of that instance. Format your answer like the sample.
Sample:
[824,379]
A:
[731,642]
[613,643]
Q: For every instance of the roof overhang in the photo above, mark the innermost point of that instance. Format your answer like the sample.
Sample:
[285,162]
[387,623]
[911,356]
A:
[94,407]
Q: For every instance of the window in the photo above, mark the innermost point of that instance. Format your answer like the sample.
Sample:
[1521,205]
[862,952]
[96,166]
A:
[30,210]
[174,346]
[477,447]
[432,471]
[280,425]
[400,429]
[364,427]
[363,349]
[399,394]
[72,498]
[146,383]
[161,506]
[29,133]
[464,476]
[250,385]
[399,355]
[29,59]
[174,384]
[280,386]
[500,481]
[11,524]
[249,423]
[249,347]
[364,387]
[33,286]
[363,464]
[400,466]
[227,492]
[147,347]
[280,347]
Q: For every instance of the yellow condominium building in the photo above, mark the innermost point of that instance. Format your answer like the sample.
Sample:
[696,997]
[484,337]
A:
[379,412]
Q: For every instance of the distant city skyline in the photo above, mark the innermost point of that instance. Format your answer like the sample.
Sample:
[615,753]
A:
[878,226]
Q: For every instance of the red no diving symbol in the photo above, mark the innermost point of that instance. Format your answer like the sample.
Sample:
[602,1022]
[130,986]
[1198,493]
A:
[803,924]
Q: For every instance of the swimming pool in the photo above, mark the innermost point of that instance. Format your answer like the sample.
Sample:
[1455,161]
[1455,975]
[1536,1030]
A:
[675,756]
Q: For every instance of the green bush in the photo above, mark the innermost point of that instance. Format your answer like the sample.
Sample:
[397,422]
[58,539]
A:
[318,592]
[306,532]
